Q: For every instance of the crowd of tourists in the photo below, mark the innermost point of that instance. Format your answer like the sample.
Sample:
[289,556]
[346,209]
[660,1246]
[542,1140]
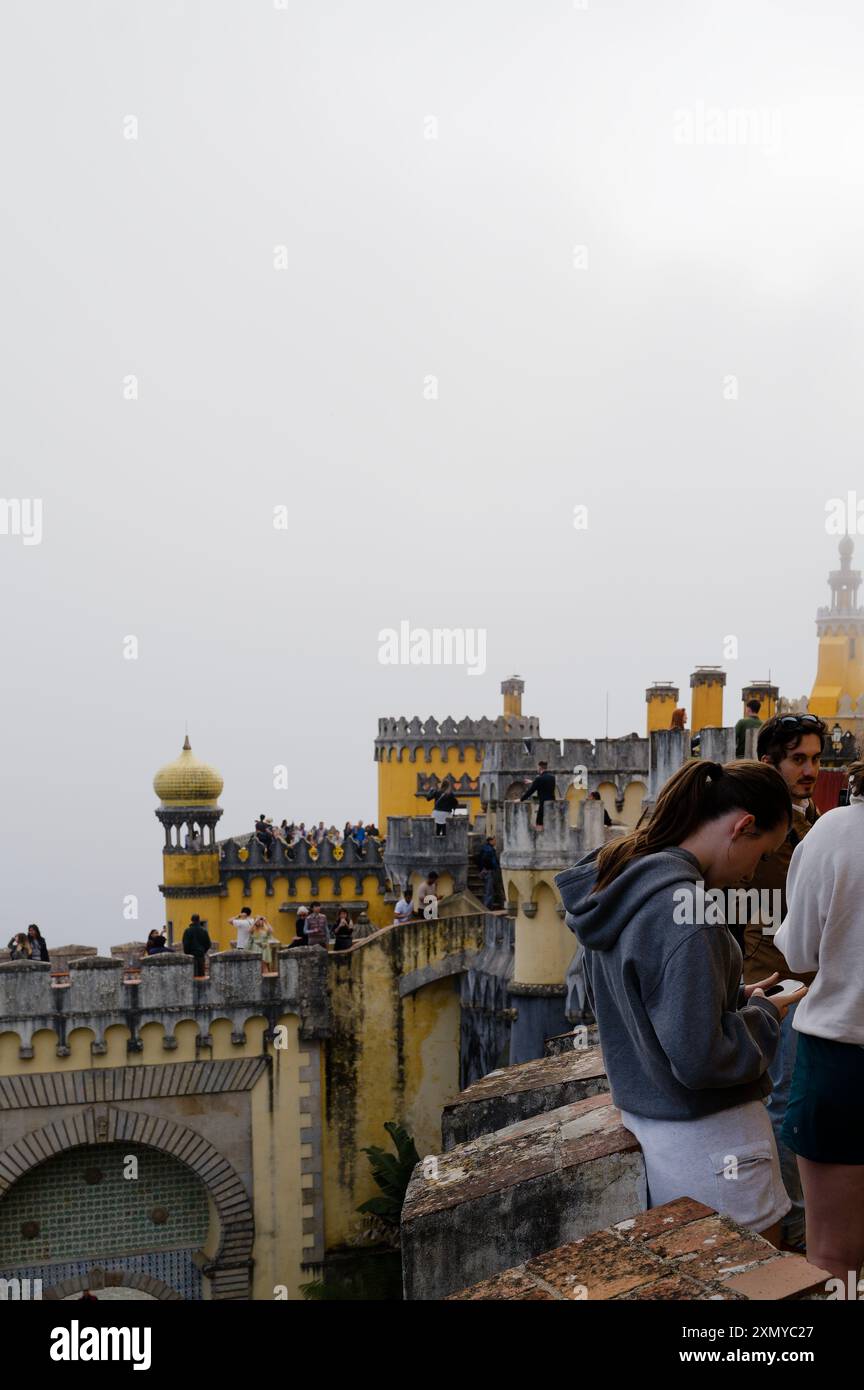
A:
[288,833]
[735,1049]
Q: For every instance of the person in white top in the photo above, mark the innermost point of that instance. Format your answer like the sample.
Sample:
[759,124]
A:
[403,911]
[824,931]
[241,927]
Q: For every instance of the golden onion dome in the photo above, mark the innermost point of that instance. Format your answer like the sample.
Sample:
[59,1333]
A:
[187,781]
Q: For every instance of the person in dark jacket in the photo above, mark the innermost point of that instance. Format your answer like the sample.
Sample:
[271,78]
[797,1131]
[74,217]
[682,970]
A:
[343,935]
[543,787]
[687,1048]
[196,942]
[445,804]
[489,865]
[38,948]
[156,942]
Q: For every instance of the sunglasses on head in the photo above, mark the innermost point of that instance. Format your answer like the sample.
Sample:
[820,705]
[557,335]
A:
[793,721]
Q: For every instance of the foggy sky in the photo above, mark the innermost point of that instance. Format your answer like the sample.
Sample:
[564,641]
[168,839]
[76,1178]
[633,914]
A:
[596,377]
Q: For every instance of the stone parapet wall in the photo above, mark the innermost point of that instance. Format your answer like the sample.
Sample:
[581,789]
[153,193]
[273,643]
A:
[682,1250]
[558,845]
[99,997]
[502,1198]
[511,1094]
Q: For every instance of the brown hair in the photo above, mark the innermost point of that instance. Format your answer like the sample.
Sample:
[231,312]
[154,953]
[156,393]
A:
[699,792]
[856,778]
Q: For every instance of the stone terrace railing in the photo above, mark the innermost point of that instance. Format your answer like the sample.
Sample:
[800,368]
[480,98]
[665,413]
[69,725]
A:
[99,995]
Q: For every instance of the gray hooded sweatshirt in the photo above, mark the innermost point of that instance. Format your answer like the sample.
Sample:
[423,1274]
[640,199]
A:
[666,995]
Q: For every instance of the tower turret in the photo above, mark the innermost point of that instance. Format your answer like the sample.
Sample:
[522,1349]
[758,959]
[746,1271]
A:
[188,791]
[512,690]
[840,628]
[706,704]
[661,699]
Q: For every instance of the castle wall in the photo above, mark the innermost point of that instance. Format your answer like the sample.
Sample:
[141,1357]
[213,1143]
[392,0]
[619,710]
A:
[397,776]
[393,1050]
[222,1075]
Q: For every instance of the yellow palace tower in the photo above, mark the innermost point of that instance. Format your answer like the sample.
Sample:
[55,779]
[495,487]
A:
[839,681]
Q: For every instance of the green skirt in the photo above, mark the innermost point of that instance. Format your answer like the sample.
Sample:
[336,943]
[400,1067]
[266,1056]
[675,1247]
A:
[825,1115]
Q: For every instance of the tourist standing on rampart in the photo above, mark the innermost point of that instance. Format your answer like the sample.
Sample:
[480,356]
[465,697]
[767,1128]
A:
[317,930]
[687,1048]
[445,804]
[196,942]
[343,934]
[242,925]
[38,946]
[543,787]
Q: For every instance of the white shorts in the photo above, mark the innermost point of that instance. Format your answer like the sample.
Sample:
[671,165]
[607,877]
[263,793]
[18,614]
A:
[727,1160]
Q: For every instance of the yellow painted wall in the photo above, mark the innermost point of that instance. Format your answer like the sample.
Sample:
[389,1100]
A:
[634,795]
[397,779]
[388,1058]
[837,674]
[276,1123]
[190,870]
[706,706]
[544,945]
[659,712]
[219,911]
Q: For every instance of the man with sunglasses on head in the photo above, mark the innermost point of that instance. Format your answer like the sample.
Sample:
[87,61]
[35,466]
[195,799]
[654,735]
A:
[793,744]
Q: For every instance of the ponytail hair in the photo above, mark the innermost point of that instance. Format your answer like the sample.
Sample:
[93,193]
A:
[856,778]
[697,793]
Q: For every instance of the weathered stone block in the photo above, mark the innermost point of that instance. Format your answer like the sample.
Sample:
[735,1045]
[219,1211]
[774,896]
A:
[235,976]
[95,985]
[515,1093]
[682,1250]
[25,988]
[504,1197]
[166,982]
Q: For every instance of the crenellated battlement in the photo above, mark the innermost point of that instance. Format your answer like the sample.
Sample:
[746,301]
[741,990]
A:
[100,995]
[413,848]
[510,767]
[558,844]
[416,734]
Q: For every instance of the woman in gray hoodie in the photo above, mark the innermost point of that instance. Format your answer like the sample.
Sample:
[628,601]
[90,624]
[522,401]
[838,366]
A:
[686,1046]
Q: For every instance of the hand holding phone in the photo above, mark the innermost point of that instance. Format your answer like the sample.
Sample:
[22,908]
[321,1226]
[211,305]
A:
[784,994]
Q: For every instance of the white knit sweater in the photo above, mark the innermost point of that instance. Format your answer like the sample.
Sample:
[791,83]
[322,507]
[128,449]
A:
[824,925]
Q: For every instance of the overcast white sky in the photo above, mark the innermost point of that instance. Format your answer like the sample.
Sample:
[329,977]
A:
[604,384]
